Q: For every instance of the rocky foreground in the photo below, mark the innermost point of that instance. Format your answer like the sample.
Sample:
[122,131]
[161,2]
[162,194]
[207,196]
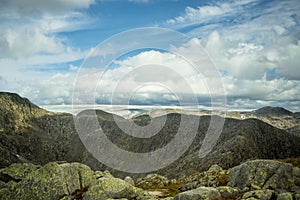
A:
[257,179]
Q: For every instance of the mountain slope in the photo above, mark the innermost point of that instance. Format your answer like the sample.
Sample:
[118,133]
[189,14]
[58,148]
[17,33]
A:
[16,112]
[240,140]
[29,133]
[272,111]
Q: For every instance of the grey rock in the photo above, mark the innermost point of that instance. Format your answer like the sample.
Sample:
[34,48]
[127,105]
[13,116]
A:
[201,193]
[228,192]
[262,174]
[114,188]
[285,196]
[152,180]
[296,196]
[189,186]
[297,176]
[215,176]
[260,194]
[53,181]
[215,169]
[129,180]
[101,174]
[17,171]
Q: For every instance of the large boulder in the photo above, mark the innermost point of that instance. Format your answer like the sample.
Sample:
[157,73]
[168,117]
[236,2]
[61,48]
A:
[262,174]
[296,196]
[17,171]
[114,188]
[297,176]
[201,193]
[128,179]
[285,196]
[260,195]
[228,192]
[63,181]
[53,181]
[9,176]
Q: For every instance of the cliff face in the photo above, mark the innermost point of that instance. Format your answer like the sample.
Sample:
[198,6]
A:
[31,134]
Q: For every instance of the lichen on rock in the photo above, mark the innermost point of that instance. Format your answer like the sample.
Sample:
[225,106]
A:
[114,188]
[262,174]
[201,193]
[53,181]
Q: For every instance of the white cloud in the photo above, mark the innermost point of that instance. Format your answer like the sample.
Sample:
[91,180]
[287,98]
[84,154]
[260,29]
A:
[27,41]
[268,90]
[30,47]
[261,37]
[35,8]
[257,54]
[37,36]
[29,27]
[69,21]
[73,68]
[149,76]
[157,86]
[257,75]
[54,90]
[289,61]
[251,60]
[203,14]
[242,60]
[238,85]
[16,67]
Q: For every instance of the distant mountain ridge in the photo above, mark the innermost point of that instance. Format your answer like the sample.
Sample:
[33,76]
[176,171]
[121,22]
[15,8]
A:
[276,116]
[268,110]
[41,136]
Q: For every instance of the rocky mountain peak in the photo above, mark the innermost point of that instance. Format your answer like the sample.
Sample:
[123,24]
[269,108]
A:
[275,111]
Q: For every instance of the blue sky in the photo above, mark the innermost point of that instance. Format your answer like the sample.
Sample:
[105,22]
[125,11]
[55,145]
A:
[254,44]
